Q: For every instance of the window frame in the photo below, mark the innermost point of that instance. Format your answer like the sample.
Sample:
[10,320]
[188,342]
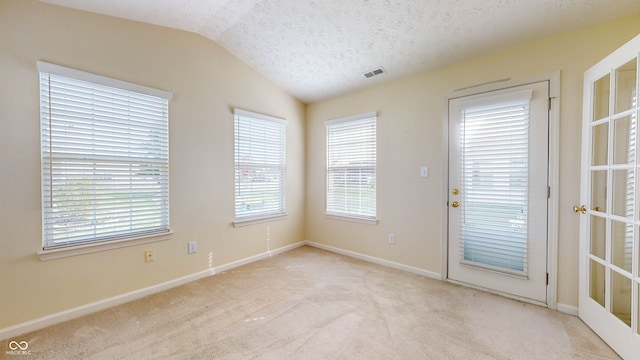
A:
[93,243]
[247,120]
[367,119]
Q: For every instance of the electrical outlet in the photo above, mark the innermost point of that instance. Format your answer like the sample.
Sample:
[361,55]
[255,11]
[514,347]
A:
[149,256]
[193,247]
[392,239]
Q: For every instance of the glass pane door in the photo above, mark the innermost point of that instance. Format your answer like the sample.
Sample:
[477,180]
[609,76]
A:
[498,196]
[609,300]
[612,207]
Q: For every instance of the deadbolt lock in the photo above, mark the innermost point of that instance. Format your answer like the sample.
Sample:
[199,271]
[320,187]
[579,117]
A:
[455,191]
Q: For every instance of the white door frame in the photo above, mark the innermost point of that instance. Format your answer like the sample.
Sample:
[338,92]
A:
[554,157]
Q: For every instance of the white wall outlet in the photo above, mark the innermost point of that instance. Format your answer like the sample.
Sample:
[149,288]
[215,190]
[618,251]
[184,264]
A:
[193,247]
[424,172]
[392,239]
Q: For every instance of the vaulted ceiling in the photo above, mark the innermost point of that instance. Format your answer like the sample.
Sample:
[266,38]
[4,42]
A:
[317,49]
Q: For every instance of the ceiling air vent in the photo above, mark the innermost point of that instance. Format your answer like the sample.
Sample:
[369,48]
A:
[374,72]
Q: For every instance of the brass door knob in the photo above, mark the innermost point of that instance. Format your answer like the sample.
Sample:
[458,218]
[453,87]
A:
[582,209]
[455,204]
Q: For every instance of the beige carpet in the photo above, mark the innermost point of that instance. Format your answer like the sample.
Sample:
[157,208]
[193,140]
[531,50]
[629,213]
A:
[311,304]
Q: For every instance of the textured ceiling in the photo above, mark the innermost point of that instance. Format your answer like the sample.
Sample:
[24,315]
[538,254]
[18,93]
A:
[317,49]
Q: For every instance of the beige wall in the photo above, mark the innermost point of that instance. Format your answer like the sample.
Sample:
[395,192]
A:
[207,83]
[410,128]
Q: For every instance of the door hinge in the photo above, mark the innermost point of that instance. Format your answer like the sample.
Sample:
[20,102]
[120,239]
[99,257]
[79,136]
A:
[549,104]
[548,192]
[547,278]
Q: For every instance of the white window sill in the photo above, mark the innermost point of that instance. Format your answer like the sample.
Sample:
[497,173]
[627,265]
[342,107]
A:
[53,254]
[247,222]
[352,219]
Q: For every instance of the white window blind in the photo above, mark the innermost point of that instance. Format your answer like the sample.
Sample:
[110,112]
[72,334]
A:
[630,183]
[351,166]
[260,166]
[104,158]
[495,155]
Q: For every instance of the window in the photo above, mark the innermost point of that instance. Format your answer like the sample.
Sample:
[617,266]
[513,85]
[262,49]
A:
[351,166]
[495,138]
[260,166]
[105,158]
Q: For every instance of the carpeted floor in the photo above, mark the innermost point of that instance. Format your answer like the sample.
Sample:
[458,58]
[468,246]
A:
[312,304]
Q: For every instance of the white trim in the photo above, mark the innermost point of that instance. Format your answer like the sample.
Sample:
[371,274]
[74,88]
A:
[444,195]
[251,114]
[65,315]
[258,257]
[504,98]
[567,309]
[554,185]
[79,311]
[52,254]
[372,114]
[553,180]
[375,260]
[362,220]
[259,220]
[102,80]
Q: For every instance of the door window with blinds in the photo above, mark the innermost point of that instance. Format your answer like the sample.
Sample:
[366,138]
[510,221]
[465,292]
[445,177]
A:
[260,166]
[351,166]
[494,174]
[105,158]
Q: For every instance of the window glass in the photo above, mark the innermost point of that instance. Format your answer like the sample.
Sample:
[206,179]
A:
[351,166]
[105,159]
[260,166]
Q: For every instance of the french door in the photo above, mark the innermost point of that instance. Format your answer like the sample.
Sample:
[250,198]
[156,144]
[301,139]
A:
[498,190]
[610,202]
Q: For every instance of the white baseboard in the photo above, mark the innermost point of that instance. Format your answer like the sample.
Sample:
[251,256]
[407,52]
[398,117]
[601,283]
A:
[66,315]
[567,309]
[36,324]
[249,260]
[375,260]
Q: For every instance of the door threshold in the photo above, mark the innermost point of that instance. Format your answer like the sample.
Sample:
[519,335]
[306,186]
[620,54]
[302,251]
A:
[500,293]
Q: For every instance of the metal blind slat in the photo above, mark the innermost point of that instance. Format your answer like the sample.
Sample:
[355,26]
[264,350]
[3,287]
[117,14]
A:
[351,167]
[495,155]
[260,165]
[104,162]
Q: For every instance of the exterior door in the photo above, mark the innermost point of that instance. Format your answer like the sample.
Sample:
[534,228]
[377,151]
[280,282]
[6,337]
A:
[609,254]
[498,190]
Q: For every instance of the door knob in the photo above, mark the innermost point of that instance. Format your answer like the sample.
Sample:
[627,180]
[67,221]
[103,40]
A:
[582,209]
[455,204]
